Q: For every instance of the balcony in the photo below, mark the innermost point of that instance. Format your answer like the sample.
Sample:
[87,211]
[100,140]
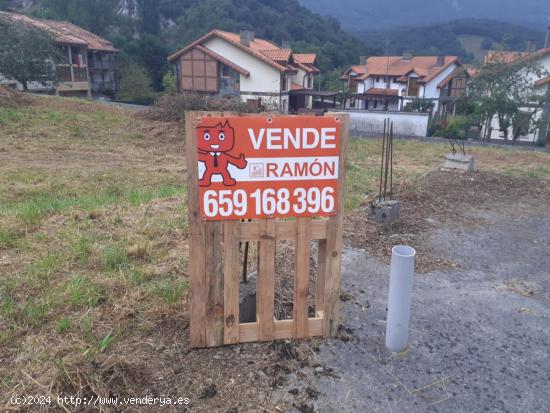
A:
[80,74]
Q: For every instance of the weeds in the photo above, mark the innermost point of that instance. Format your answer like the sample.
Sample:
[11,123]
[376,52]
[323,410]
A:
[84,292]
[104,342]
[63,325]
[44,268]
[115,257]
[171,292]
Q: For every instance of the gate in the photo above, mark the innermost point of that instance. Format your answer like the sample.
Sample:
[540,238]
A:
[214,266]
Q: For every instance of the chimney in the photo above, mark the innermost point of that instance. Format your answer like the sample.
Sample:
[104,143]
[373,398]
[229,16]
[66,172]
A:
[547,40]
[362,60]
[407,56]
[285,44]
[531,45]
[246,36]
[440,60]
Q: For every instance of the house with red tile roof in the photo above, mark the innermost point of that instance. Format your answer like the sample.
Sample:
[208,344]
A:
[87,61]
[239,64]
[394,82]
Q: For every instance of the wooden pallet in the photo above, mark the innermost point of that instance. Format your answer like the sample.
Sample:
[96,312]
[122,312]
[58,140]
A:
[215,266]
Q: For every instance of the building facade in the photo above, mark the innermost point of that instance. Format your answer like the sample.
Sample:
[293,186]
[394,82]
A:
[256,70]
[85,65]
[398,83]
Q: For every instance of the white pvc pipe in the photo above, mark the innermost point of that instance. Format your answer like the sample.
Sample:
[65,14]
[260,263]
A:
[399,298]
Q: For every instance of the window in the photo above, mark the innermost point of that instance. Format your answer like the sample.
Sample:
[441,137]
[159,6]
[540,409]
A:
[377,79]
[413,87]
[394,80]
[375,105]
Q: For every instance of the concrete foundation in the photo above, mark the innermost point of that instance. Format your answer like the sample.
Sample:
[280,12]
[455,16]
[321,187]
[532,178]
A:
[384,212]
[458,162]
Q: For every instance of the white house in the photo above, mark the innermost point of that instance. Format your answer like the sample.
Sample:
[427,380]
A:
[540,58]
[224,64]
[394,82]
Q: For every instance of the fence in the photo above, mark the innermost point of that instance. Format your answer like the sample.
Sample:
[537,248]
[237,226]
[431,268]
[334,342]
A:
[215,271]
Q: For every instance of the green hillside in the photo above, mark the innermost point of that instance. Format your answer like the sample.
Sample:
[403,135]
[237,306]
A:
[147,31]
[469,39]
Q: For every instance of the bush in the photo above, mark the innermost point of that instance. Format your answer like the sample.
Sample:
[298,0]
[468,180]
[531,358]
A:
[171,108]
[135,85]
[456,128]
[169,83]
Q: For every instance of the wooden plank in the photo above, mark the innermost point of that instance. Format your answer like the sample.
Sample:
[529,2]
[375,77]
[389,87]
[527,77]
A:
[282,329]
[265,284]
[196,238]
[284,230]
[331,305]
[301,276]
[214,283]
[231,277]
[321,275]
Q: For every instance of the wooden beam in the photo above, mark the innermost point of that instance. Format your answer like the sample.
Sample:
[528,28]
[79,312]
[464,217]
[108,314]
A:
[333,253]
[301,276]
[197,247]
[231,282]
[284,230]
[265,284]
[281,329]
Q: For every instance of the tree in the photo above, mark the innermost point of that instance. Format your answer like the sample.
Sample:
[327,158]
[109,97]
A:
[134,85]
[26,54]
[508,92]
[169,83]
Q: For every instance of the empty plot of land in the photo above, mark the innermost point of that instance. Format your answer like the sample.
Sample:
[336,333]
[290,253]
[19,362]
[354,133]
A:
[94,260]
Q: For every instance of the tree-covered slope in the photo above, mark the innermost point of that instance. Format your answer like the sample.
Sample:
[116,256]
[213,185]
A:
[453,38]
[147,31]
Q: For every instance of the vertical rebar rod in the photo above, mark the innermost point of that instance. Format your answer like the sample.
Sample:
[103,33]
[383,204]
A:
[386,169]
[245,263]
[391,160]
[382,162]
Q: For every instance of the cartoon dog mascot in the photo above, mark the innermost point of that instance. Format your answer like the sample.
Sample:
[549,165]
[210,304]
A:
[214,144]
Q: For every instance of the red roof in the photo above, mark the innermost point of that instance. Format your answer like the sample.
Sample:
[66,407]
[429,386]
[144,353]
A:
[427,67]
[496,56]
[278,55]
[306,58]
[268,52]
[64,32]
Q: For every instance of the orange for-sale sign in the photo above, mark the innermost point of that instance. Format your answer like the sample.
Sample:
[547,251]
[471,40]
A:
[265,167]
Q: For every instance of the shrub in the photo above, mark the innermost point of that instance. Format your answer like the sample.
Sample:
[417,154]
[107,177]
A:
[135,85]
[171,108]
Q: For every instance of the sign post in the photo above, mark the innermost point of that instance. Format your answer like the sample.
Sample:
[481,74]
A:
[278,173]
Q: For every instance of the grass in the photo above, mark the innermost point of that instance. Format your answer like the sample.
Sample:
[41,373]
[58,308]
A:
[32,211]
[171,291]
[93,230]
[83,292]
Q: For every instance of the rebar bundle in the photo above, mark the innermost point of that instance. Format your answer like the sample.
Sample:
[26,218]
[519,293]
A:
[386,163]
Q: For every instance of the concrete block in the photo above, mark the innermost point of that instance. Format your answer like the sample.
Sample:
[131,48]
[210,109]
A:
[459,162]
[384,212]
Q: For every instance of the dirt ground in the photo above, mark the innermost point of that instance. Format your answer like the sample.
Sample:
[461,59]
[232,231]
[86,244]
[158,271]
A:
[479,333]
[93,260]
